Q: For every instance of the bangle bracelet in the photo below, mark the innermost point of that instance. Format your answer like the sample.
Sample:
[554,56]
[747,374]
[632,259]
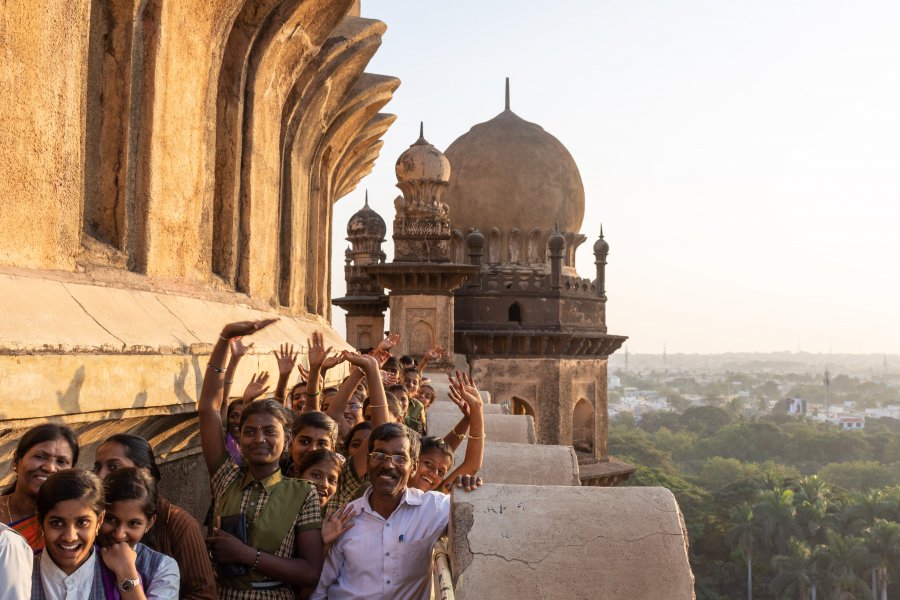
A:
[312,394]
[256,562]
[377,405]
[477,437]
[214,368]
[229,382]
[461,436]
[224,339]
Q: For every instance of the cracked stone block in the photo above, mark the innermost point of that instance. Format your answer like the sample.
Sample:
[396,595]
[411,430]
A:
[549,542]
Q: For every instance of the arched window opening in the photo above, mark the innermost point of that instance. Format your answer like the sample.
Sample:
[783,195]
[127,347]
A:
[515,313]
[583,426]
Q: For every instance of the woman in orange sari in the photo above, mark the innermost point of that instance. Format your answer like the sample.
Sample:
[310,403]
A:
[42,451]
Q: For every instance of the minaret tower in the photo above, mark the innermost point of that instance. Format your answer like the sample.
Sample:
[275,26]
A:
[365,301]
[421,277]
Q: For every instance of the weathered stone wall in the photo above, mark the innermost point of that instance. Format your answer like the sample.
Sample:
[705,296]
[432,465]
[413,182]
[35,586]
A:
[423,321]
[517,429]
[167,167]
[548,542]
[551,388]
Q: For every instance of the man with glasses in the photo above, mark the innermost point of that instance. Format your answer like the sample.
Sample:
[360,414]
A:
[387,552]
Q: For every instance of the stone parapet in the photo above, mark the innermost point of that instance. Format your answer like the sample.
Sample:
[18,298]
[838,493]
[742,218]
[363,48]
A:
[525,464]
[554,542]
[498,428]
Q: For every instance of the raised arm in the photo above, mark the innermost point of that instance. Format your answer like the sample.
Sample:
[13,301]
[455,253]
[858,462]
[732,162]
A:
[286,358]
[377,398]
[432,354]
[209,407]
[456,435]
[238,350]
[317,355]
[344,393]
[464,388]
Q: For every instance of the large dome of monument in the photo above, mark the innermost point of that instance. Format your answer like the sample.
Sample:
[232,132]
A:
[510,173]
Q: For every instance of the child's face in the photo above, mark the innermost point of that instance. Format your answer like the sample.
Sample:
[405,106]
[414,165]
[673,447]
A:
[325,476]
[262,439]
[433,468]
[70,529]
[411,383]
[426,395]
[125,521]
[234,419]
[307,440]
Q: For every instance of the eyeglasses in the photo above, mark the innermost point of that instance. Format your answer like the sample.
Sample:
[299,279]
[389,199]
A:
[353,406]
[399,460]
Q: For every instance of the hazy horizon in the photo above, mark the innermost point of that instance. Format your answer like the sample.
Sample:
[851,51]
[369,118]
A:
[743,158]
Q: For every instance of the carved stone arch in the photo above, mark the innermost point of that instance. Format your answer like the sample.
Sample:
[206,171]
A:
[583,426]
[368,95]
[230,96]
[313,105]
[516,313]
[457,247]
[495,246]
[116,100]
[515,242]
[285,48]
[359,160]
[519,406]
[535,247]
[421,337]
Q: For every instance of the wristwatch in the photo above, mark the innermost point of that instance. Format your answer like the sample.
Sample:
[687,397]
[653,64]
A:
[129,584]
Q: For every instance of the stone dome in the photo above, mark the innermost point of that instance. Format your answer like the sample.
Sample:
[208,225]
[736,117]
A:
[510,173]
[366,222]
[422,162]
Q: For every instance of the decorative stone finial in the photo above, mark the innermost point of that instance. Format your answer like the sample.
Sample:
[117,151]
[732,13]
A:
[367,201]
[507,93]
[421,139]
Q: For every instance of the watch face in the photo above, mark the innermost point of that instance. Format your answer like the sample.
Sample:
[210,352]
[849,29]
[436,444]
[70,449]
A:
[127,585]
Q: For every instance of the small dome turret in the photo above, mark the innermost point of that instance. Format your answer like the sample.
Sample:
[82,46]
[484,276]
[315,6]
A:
[422,162]
[366,222]
[601,246]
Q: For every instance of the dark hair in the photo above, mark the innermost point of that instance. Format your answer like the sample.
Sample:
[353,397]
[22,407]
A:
[414,371]
[432,442]
[70,484]
[391,364]
[48,432]
[391,431]
[407,360]
[395,407]
[315,457]
[317,420]
[267,406]
[349,437]
[132,483]
[232,404]
[138,451]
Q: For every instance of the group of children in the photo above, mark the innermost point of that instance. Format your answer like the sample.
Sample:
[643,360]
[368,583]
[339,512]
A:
[290,476]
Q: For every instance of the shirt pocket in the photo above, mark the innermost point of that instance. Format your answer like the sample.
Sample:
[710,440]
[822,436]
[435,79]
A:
[415,559]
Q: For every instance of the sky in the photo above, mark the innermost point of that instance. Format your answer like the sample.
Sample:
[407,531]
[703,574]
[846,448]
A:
[742,156]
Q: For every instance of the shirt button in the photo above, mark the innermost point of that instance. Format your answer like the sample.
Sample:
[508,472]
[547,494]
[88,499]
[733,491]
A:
[387,553]
[389,580]
[387,524]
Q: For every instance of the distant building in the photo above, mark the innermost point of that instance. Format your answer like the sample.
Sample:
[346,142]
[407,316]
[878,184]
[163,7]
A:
[851,423]
[796,406]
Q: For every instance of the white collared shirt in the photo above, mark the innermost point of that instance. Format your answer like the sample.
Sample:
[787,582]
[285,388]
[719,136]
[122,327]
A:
[386,558]
[16,562]
[59,586]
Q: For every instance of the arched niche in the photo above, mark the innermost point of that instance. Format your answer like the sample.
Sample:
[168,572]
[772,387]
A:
[535,247]
[583,426]
[458,247]
[495,246]
[514,313]
[421,338]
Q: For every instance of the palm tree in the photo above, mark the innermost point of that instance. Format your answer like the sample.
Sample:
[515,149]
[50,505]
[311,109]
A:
[843,558]
[775,513]
[812,508]
[883,543]
[742,535]
[796,572]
